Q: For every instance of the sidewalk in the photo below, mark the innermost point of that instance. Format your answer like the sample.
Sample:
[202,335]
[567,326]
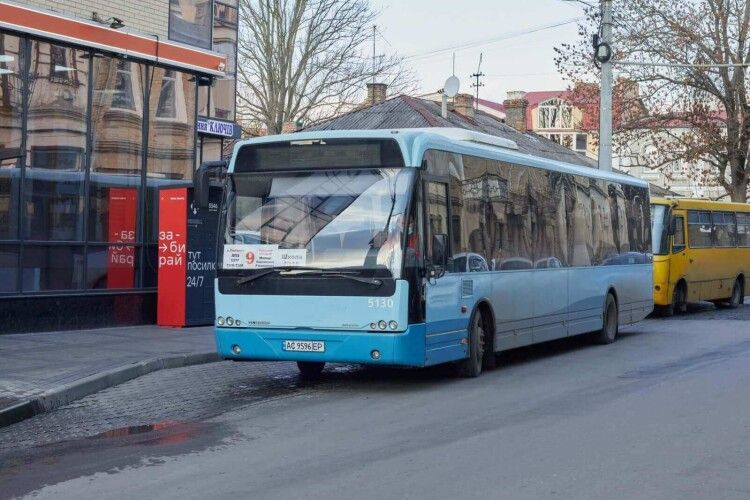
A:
[41,371]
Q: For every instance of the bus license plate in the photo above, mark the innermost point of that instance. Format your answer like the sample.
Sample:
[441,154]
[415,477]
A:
[304,346]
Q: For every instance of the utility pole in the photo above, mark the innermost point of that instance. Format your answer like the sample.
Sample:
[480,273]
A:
[478,83]
[603,48]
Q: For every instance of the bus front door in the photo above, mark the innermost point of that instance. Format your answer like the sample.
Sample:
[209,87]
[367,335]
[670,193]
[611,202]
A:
[445,324]
[678,261]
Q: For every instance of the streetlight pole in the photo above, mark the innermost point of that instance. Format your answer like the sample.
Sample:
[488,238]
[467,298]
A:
[604,56]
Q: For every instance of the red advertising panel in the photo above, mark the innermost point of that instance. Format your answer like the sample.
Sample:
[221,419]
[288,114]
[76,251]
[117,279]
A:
[123,204]
[172,257]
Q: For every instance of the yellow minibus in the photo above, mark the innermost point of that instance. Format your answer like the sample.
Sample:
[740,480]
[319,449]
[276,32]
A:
[701,252]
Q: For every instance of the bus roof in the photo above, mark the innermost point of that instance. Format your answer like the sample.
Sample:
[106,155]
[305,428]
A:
[413,143]
[702,204]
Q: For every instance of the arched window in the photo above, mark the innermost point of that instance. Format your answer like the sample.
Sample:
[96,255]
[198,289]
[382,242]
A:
[555,113]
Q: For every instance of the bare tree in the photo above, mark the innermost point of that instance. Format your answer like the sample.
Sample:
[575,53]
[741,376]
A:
[308,59]
[691,98]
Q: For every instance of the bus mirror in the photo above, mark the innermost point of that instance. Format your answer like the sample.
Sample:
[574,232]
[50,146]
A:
[439,250]
[672,227]
[201,180]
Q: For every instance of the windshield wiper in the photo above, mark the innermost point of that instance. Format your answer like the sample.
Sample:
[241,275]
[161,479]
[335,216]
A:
[248,279]
[334,273]
[286,271]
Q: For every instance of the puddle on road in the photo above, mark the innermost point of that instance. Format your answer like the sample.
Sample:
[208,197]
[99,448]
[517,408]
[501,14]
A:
[167,432]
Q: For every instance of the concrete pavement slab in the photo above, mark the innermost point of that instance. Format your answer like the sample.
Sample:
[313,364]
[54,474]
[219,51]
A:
[42,371]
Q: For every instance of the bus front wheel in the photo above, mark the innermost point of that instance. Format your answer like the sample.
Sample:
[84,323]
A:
[310,370]
[472,365]
[679,301]
[608,333]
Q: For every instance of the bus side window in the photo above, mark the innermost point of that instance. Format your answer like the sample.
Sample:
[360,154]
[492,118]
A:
[678,242]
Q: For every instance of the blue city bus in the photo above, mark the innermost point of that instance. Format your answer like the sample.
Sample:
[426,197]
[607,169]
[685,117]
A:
[417,247]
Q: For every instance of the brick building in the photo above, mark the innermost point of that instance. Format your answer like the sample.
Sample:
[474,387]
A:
[102,102]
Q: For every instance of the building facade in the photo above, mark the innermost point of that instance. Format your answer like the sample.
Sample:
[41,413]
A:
[102,103]
[691,179]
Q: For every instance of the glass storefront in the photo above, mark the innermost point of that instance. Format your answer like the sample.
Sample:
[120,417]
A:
[86,141]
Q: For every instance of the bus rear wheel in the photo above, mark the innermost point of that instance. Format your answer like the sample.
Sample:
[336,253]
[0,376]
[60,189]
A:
[310,370]
[610,326]
[735,299]
[472,365]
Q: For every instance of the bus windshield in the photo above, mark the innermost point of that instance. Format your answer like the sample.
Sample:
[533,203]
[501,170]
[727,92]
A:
[323,219]
[659,233]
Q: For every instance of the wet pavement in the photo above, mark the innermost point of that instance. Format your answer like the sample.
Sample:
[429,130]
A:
[665,407]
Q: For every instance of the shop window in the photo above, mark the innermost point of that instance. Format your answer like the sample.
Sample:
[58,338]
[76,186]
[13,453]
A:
[122,93]
[203,92]
[117,150]
[11,100]
[111,267]
[8,268]
[190,22]
[171,147]
[166,108]
[57,112]
[51,268]
[11,113]
[59,71]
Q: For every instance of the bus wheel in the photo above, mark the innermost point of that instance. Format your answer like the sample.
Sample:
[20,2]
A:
[310,370]
[736,299]
[679,298]
[608,333]
[472,366]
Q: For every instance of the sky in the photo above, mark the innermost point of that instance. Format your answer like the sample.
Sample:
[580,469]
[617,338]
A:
[414,27]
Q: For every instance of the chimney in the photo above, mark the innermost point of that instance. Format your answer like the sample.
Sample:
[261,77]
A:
[463,104]
[376,93]
[515,110]
[288,127]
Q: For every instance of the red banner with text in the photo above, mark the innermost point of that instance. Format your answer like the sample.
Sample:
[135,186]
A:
[172,257]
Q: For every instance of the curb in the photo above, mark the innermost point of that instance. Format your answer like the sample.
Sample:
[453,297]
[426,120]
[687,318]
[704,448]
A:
[63,395]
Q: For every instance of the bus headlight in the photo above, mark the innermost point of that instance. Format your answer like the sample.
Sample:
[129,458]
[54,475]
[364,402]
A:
[393,325]
[230,321]
[220,321]
[382,324]
[373,326]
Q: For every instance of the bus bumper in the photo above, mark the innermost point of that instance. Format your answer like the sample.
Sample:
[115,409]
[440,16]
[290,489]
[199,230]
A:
[396,349]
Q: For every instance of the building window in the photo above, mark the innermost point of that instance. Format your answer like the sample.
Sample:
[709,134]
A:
[190,22]
[222,100]
[555,113]
[582,143]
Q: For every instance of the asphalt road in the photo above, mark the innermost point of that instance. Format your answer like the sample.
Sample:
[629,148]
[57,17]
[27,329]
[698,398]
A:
[662,413]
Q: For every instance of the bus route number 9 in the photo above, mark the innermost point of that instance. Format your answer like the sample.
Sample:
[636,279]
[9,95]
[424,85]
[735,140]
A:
[383,303]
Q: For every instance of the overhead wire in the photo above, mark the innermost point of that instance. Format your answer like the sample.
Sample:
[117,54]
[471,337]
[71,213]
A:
[491,40]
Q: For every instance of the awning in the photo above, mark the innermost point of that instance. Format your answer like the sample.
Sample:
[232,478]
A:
[95,35]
